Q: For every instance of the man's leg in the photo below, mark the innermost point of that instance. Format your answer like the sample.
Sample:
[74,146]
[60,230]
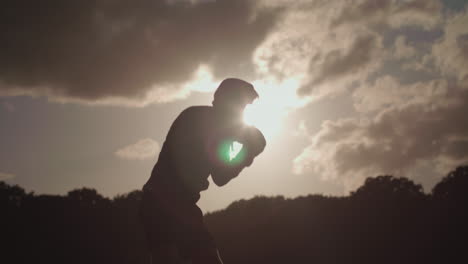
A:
[176,231]
[165,254]
[194,240]
[207,256]
[157,226]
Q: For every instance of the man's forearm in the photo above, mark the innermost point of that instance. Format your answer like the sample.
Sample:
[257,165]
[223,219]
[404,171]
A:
[221,176]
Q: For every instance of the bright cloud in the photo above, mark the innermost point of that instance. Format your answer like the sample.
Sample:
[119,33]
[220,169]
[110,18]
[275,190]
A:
[6,176]
[410,96]
[423,123]
[143,149]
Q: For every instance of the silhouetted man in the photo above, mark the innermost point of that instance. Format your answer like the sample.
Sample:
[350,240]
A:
[202,141]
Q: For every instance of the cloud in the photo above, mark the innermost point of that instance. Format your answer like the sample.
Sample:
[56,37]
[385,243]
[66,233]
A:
[407,79]
[407,131]
[386,92]
[451,52]
[336,45]
[356,63]
[424,64]
[117,51]
[402,49]
[113,52]
[326,60]
[6,176]
[391,13]
[336,64]
[143,149]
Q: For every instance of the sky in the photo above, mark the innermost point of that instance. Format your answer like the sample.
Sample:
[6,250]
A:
[348,90]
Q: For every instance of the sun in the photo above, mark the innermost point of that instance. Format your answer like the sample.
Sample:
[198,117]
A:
[265,117]
[276,100]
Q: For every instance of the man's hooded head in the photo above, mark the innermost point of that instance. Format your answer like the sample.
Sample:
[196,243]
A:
[233,95]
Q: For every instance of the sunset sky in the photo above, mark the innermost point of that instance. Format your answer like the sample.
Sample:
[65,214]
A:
[348,90]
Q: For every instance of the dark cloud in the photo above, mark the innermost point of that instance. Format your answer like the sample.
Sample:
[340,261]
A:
[5,176]
[390,13]
[362,11]
[337,64]
[92,50]
[451,51]
[143,149]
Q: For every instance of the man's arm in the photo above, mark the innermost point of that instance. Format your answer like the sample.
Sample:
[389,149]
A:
[253,143]
[221,175]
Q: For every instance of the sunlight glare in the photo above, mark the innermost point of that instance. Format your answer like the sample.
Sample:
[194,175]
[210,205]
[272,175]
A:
[269,110]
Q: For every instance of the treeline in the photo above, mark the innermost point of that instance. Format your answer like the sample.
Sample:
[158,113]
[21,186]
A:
[386,220]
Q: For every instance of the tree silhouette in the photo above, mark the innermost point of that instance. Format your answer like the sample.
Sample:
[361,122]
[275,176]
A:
[388,187]
[450,216]
[86,197]
[11,196]
[454,186]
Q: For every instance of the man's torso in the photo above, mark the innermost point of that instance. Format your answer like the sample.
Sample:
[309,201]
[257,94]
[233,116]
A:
[186,157]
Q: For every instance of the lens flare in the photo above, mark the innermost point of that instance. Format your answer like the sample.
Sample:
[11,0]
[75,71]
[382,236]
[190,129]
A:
[231,152]
[234,150]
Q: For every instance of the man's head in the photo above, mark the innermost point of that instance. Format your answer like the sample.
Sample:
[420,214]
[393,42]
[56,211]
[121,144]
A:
[233,95]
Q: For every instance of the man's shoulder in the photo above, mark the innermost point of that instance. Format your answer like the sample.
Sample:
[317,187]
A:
[197,110]
[194,116]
